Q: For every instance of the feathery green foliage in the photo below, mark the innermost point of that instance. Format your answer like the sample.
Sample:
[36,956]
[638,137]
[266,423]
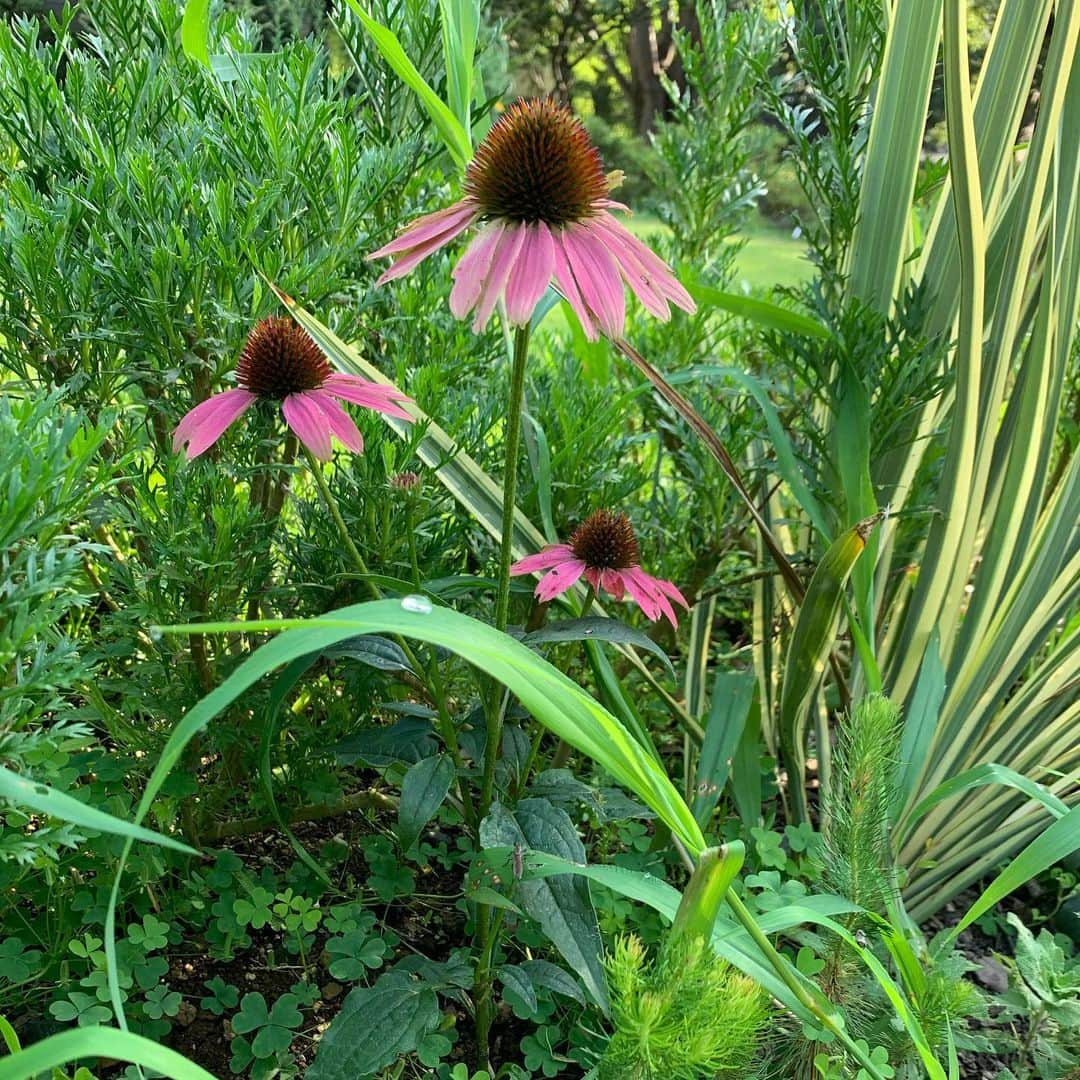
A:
[683,1015]
[856,806]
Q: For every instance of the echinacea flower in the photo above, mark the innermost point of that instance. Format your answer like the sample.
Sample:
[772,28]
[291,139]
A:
[281,363]
[538,191]
[603,549]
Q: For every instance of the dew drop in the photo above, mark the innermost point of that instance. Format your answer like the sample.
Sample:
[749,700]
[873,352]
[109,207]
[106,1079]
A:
[418,605]
[155,633]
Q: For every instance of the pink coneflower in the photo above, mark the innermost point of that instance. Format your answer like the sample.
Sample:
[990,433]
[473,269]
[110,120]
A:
[281,362]
[537,187]
[604,549]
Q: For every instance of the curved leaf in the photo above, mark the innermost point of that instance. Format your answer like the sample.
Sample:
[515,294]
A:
[195,31]
[980,776]
[99,1042]
[811,643]
[47,800]
[376,1025]
[594,628]
[763,312]
[422,792]
[562,905]
[453,134]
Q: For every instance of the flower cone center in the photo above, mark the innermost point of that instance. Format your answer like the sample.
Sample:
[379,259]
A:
[605,540]
[280,358]
[537,164]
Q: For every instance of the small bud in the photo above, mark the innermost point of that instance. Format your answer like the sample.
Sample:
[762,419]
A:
[405,481]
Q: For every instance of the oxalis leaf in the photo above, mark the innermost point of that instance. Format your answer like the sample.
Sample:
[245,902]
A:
[593,628]
[422,792]
[562,905]
[375,1027]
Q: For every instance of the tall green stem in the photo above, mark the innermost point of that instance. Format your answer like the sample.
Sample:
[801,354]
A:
[343,530]
[502,602]
[487,924]
[513,439]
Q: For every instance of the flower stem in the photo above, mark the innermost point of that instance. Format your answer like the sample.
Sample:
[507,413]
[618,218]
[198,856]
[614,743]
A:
[335,512]
[488,922]
[513,438]
[435,687]
[502,603]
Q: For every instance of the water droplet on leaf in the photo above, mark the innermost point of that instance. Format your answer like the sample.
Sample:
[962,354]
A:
[418,605]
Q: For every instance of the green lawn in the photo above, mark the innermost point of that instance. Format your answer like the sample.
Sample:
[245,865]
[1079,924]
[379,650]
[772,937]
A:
[772,256]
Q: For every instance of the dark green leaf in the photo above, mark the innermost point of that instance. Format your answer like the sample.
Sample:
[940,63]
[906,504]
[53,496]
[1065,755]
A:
[375,1027]
[562,906]
[518,982]
[544,973]
[422,792]
[597,629]
[408,740]
[733,694]
[377,652]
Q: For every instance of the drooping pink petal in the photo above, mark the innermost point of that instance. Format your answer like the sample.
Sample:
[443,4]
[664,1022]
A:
[557,581]
[552,555]
[655,589]
[502,263]
[341,423]
[414,256]
[635,274]
[641,592]
[610,204]
[613,583]
[531,274]
[564,279]
[597,277]
[592,576]
[661,276]
[447,222]
[472,269]
[669,589]
[371,395]
[310,424]
[203,425]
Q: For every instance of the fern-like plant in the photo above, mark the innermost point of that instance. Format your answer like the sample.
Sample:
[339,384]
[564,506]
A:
[685,1015]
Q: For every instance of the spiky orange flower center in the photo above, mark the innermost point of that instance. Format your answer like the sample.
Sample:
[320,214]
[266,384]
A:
[279,359]
[605,540]
[537,164]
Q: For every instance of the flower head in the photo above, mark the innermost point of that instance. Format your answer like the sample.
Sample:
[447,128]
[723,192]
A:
[537,189]
[407,481]
[603,549]
[281,363]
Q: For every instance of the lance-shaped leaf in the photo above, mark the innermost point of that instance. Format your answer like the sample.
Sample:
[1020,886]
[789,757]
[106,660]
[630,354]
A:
[811,643]
[453,134]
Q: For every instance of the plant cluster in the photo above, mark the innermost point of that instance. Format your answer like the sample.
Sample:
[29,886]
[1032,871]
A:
[447,629]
